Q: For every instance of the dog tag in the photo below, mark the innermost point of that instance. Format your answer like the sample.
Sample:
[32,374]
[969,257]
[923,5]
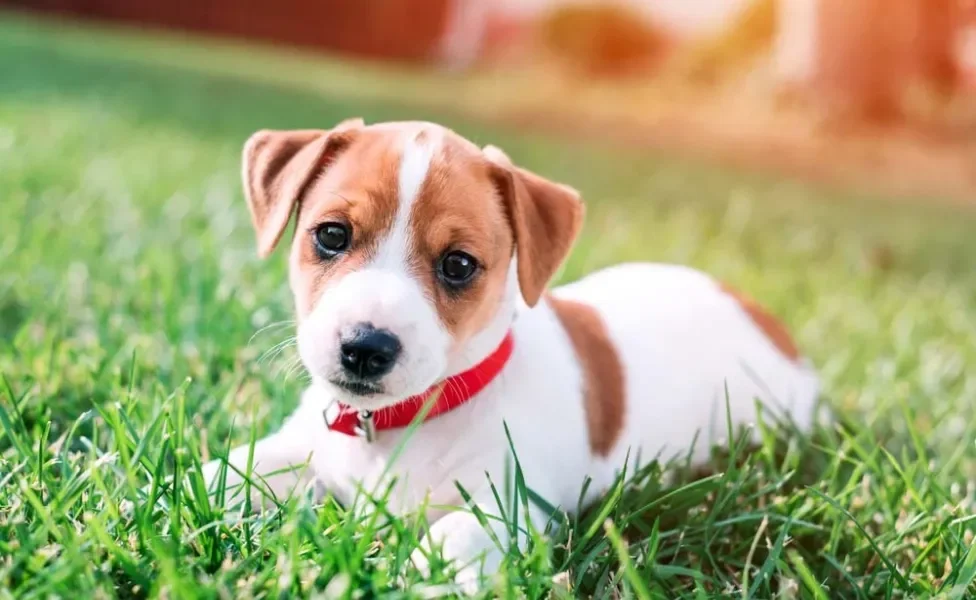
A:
[367,427]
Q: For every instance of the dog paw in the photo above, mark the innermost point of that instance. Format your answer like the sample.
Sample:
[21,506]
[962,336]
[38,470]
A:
[419,559]
[465,544]
[468,578]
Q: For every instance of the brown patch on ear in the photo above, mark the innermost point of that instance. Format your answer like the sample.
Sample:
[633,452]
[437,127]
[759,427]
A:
[767,323]
[278,166]
[546,217]
[603,373]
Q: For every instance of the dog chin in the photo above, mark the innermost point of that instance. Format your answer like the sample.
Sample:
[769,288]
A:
[363,397]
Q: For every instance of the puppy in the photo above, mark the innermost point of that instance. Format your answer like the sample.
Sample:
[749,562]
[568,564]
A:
[419,268]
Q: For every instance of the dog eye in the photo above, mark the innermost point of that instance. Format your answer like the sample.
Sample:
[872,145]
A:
[331,239]
[457,268]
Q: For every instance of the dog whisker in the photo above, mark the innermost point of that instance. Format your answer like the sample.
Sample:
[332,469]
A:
[294,369]
[274,325]
[277,349]
[284,367]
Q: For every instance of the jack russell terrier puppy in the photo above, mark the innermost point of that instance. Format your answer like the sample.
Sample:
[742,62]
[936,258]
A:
[419,268]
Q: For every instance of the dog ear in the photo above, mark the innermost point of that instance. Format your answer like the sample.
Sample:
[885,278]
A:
[278,167]
[546,217]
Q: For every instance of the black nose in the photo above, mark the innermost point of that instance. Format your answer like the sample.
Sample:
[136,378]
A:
[369,353]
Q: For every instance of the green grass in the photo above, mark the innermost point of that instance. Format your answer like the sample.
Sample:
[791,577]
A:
[134,341]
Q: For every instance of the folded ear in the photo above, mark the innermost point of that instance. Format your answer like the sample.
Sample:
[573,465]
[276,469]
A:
[278,166]
[546,217]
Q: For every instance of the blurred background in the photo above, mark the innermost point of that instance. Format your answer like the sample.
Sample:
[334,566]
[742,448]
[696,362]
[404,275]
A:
[818,155]
[871,90]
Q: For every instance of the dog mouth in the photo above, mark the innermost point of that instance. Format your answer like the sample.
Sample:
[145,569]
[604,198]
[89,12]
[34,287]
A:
[357,388]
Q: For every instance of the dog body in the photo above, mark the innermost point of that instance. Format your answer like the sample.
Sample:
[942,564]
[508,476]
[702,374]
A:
[418,257]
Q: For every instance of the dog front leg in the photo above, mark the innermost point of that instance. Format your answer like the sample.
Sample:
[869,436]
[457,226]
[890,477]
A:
[471,545]
[280,464]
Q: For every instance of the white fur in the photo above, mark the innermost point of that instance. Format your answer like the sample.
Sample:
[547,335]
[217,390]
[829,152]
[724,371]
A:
[682,340]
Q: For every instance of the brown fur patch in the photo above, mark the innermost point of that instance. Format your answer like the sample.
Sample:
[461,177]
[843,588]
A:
[603,373]
[771,327]
[358,188]
[458,210]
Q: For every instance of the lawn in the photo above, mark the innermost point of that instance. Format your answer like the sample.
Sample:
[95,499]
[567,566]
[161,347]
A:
[139,333]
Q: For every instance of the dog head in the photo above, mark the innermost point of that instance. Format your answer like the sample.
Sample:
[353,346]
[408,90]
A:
[411,248]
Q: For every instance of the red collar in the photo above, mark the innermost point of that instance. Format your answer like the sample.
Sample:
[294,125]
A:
[450,394]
